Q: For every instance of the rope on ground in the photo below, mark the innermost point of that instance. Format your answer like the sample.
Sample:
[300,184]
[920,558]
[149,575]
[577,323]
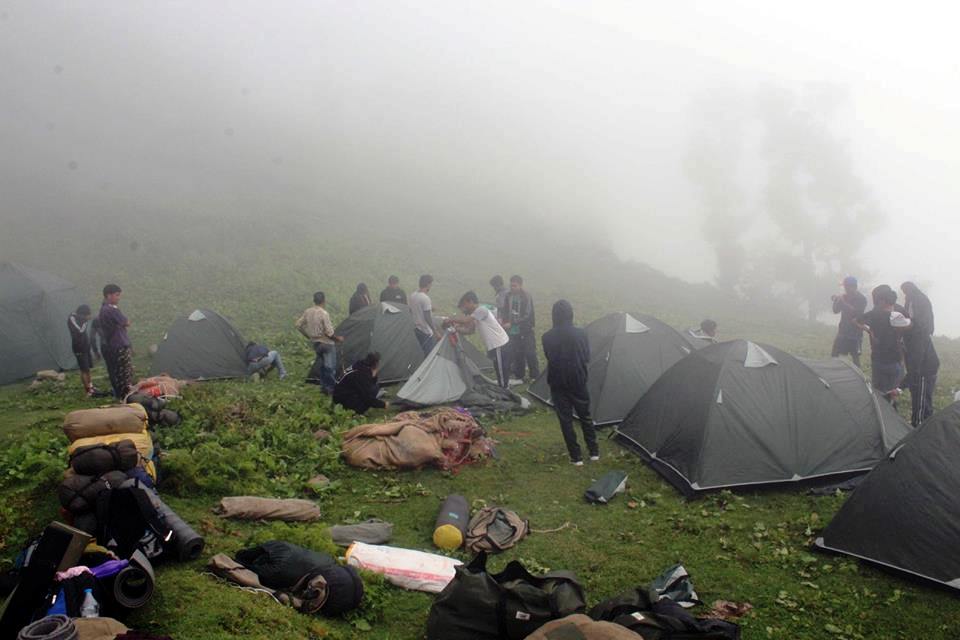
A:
[565,525]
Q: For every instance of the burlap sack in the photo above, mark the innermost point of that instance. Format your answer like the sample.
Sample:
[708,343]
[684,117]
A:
[580,627]
[98,628]
[253,508]
[398,444]
[86,423]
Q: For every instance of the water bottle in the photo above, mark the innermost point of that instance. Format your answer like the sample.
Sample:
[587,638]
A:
[90,607]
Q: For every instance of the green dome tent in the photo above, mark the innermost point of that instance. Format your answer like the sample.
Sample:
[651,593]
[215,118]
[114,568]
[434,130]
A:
[905,515]
[628,352]
[201,346]
[34,307]
[740,413]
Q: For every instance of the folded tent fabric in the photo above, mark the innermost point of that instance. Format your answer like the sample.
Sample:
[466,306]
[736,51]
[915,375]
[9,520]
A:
[372,531]
[119,419]
[254,508]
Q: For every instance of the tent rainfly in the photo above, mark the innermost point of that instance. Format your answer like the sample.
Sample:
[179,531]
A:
[905,515]
[387,328]
[34,306]
[739,413]
[628,352]
[201,346]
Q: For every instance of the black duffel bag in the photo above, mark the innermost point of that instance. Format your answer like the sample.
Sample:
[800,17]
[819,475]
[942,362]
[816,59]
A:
[512,604]
[97,459]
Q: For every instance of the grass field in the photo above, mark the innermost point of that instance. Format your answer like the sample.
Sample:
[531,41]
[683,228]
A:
[242,437]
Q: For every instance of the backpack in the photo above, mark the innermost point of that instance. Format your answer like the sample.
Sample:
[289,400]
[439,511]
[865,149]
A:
[512,604]
[494,529]
[667,620]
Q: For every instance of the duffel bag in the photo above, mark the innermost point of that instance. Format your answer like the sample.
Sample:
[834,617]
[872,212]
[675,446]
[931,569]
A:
[512,604]
[86,423]
[97,459]
[142,441]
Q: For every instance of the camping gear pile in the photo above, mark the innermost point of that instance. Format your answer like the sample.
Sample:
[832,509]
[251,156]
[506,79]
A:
[740,413]
[309,581]
[445,438]
[628,353]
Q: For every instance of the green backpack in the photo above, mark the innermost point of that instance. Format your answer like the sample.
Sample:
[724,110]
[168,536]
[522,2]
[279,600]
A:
[512,604]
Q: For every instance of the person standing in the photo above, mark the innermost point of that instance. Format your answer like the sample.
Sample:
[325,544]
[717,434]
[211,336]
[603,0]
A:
[422,309]
[357,389]
[314,323]
[393,292]
[568,353]
[884,323]
[360,298]
[116,347]
[499,295]
[922,360]
[479,319]
[850,306]
[519,323]
[84,346]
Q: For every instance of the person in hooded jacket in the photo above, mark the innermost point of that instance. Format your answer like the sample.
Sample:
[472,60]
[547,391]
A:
[357,389]
[360,298]
[568,353]
[922,361]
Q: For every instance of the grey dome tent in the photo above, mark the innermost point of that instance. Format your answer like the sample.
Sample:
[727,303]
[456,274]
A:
[201,346]
[740,413]
[34,306]
[448,375]
[388,328]
[628,352]
[905,515]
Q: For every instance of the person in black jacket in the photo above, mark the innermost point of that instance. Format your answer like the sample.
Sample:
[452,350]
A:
[357,388]
[393,292]
[84,345]
[568,353]
[922,361]
[360,298]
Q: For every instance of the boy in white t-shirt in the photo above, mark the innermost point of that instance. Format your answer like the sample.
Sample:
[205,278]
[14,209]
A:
[479,319]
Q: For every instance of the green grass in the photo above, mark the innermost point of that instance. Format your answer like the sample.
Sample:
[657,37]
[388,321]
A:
[242,437]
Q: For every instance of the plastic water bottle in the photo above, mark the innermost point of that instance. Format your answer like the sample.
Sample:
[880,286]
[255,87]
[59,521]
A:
[90,607]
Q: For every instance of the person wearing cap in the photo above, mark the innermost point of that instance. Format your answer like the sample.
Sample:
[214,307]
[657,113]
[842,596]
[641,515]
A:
[850,306]
[922,360]
[885,323]
[84,346]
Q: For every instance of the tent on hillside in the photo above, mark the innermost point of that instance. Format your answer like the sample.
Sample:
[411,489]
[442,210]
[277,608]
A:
[34,307]
[201,346]
[386,327]
[628,352]
[449,375]
[906,514]
[740,413]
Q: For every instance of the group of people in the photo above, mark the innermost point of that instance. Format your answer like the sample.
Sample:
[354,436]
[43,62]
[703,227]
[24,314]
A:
[902,353]
[104,336]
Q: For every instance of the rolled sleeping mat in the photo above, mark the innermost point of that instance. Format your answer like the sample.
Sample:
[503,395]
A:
[188,543]
[133,586]
[450,530]
[87,423]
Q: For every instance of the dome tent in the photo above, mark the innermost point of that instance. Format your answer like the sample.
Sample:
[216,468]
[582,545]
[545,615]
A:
[201,346]
[628,352]
[34,306]
[740,413]
[905,515]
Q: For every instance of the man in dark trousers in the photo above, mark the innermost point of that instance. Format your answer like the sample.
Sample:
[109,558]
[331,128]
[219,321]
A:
[850,306]
[519,322]
[885,323]
[116,348]
[393,292]
[84,345]
[923,364]
[568,352]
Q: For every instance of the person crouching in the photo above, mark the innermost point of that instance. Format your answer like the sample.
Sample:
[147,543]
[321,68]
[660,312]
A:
[357,389]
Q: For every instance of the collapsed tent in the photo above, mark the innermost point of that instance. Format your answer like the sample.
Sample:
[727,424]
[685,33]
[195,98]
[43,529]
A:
[201,346]
[449,374]
[739,413]
[906,514]
[34,307]
[628,352]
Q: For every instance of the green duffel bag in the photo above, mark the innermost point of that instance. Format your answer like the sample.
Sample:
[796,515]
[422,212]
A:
[512,604]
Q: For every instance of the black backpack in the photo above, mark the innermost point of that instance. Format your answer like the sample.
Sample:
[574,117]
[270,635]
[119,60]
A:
[512,604]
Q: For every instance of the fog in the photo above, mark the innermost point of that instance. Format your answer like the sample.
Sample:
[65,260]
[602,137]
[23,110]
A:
[765,147]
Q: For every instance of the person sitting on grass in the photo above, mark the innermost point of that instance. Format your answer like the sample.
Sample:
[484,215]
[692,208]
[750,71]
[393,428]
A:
[357,389]
[260,360]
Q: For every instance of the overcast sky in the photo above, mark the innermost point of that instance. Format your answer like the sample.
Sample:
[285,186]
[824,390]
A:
[580,113]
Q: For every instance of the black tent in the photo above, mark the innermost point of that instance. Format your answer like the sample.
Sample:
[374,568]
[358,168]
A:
[628,352]
[386,327]
[34,306]
[740,413]
[906,513]
[201,346]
